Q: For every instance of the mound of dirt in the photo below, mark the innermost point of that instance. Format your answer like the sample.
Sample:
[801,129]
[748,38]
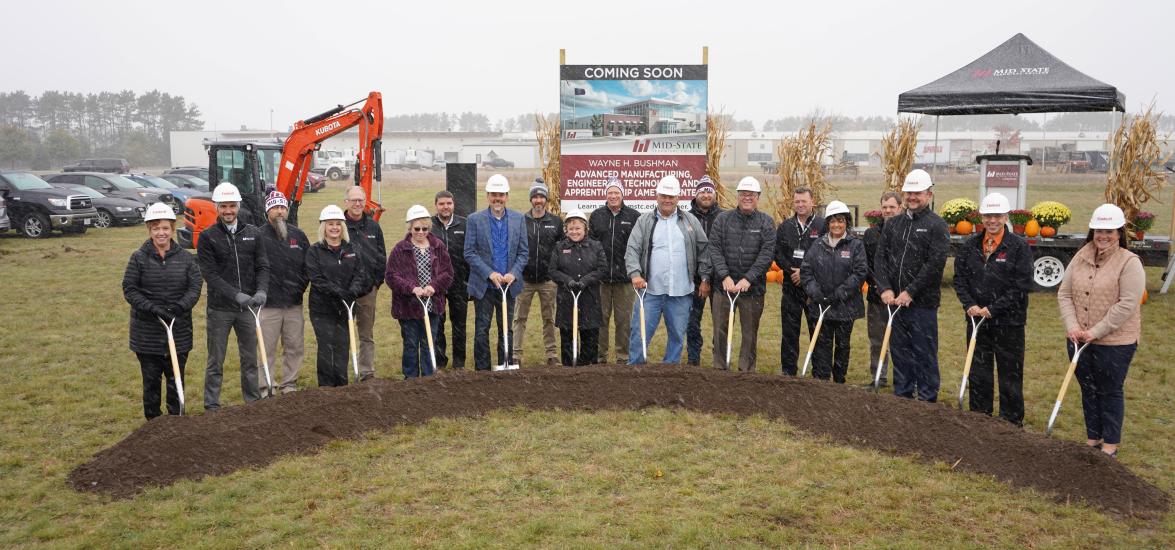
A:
[172,448]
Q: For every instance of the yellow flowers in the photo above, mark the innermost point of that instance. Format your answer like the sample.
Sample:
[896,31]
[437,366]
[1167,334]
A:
[1051,214]
[956,210]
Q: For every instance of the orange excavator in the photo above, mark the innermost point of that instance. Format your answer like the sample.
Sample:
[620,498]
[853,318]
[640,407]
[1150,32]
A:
[257,167]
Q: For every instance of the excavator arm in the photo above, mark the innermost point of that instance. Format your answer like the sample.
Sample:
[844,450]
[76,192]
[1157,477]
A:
[307,134]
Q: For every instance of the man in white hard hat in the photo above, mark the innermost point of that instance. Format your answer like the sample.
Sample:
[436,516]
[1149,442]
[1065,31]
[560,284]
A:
[742,244]
[611,225]
[705,208]
[543,231]
[496,248]
[368,239]
[910,260]
[282,319]
[233,261]
[792,240]
[666,252]
[876,317]
[993,276]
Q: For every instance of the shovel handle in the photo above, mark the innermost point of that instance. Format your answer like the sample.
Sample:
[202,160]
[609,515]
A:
[884,347]
[432,354]
[1064,388]
[175,363]
[815,337]
[730,326]
[640,296]
[352,337]
[970,357]
[261,350]
[575,328]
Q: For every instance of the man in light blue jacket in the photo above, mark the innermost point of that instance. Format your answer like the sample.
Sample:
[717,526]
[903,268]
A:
[496,249]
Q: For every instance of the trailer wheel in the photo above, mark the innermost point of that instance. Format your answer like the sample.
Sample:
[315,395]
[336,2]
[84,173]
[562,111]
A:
[1048,270]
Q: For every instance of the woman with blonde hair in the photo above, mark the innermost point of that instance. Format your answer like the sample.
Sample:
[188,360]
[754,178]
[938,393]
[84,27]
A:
[337,279]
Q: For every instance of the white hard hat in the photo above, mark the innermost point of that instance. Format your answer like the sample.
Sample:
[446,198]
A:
[995,203]
[497,184]
[416,212]
[1107,216]
[159,211]
[331,212]
[917,180]
[834,208]
[669,186]
[575,215]
[226,192]
[749,183]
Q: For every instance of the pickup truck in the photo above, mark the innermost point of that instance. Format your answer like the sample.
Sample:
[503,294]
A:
[36,208]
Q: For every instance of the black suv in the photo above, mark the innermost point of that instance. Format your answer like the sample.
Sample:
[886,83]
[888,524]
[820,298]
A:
[119,187]
[110,166]
[36,208]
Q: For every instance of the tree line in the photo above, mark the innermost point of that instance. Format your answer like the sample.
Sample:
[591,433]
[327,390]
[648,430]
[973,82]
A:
[57,128]
[458,122]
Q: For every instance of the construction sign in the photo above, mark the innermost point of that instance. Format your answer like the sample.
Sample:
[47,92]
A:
[635,122]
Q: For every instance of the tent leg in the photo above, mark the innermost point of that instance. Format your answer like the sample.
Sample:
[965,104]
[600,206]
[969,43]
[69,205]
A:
[934,166]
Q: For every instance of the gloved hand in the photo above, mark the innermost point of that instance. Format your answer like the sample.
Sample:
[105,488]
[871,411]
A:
[172,310]
[242,299]
[575,286]
[825,301]
[161,312]
[258,299]
[841,295]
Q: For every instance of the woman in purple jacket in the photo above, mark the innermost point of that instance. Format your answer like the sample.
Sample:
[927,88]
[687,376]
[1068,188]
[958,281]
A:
[418,271]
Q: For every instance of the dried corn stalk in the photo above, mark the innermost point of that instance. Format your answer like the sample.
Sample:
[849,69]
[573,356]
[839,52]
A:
[547,133]
[1136,173]
[801,160]
[717,129]
[897,152]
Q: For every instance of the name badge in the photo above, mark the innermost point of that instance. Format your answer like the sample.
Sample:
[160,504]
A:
[845,254]
[1001,260]
[246,238]
[797,254]
[920,230]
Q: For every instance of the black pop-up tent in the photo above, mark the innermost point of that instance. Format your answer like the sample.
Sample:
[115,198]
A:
[1018,76]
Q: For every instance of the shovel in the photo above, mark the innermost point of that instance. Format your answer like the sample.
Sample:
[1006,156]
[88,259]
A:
[353,336]
[175,362]
[432,353]
[1065,386]
[970,355]
[730,325]
[640,297]
[884,346]
[506,365]
[261,348]
[575,328]
[815,337]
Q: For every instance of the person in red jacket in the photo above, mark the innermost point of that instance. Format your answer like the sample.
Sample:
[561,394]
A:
[419,273]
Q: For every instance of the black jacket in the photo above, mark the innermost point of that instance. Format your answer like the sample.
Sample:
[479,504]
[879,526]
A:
[612,231]
[368,239]
[1001,282]
[287,266]
[706,218]
[911,256]
[791,242]
[541,236]
[232,263]
[585,262]
[153,282]
[335,275]
[454,239]
[871,238]
[742,246]
[837,274]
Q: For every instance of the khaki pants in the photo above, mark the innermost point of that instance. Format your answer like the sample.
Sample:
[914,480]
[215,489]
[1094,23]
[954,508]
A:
[365,326]
[749,310]
[546,294]
[616,300]
[287,325]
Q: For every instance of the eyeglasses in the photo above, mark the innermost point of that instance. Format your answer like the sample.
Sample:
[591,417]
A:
[420,229]
[356,200]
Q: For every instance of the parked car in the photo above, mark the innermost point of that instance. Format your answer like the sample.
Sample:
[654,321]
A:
[5,223]
[111,166]
[182,193]
[111,211]
[314,183]
[187,181]
[497,162]
[35,208]
[120,187]
[198,171]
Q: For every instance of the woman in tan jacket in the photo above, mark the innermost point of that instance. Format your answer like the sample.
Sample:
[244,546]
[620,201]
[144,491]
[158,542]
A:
[1100,298]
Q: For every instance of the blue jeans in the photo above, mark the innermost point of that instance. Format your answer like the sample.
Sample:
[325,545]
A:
[914,353]
[1101,371]
[675,309]
[415,360]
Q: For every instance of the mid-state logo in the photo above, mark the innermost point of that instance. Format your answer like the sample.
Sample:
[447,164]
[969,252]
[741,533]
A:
[1013,71]
[666,145]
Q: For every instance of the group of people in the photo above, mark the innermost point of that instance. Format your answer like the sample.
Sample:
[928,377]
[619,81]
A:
[617,266]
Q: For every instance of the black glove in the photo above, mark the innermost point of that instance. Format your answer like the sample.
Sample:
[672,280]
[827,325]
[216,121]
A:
[258,300]
[242,299]
[575,286]
[172,310]
[161,312]
[825,301]
[841,295]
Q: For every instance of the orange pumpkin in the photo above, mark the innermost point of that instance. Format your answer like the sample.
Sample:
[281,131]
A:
[964,227]
[1032,228]
[1048,231]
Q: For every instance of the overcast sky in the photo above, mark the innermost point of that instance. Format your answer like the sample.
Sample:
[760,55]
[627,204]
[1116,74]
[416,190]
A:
[239,59]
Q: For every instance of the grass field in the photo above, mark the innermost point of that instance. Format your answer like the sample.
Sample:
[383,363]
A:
[515,478]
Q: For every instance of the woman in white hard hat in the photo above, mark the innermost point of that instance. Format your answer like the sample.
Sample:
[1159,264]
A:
[162,283]
[337,278]
[832,272]
[578,265]
[1100,299]
[418,269]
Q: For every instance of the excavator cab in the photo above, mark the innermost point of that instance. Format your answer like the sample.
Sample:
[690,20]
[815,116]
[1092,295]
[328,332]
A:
[250,165]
